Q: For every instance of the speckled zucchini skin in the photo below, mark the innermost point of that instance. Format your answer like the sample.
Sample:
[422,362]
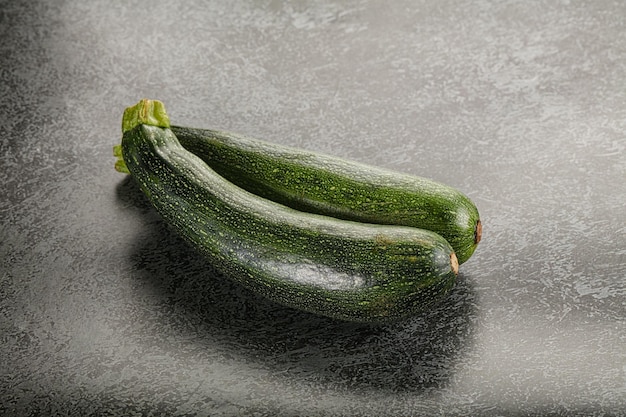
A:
[336,187]
[342,269]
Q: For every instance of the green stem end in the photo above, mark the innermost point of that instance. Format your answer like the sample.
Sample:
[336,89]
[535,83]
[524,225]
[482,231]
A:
[120,165]
[146,112]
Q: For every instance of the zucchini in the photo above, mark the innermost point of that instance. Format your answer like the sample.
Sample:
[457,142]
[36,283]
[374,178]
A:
[338,268]
[332,186]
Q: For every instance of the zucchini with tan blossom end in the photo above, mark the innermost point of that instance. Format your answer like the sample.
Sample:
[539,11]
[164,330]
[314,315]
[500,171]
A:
[338,268]
[323,184]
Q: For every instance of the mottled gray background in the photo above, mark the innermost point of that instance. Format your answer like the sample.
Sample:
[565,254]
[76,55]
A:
[520,104]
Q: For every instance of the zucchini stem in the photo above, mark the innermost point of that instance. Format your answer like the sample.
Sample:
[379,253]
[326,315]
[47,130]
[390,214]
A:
[120,165]
[146,112]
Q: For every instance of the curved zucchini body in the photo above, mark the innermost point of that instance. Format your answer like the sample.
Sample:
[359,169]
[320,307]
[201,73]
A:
[332,186]
[342,269]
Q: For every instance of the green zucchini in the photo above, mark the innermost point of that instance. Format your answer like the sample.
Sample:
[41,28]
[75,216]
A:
[343,269]
[332,186]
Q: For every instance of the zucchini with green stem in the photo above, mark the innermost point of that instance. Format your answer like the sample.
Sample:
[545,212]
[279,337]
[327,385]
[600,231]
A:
[343,269]
[322,184]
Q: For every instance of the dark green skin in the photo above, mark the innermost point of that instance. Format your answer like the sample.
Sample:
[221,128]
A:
[336,187]
[342,269]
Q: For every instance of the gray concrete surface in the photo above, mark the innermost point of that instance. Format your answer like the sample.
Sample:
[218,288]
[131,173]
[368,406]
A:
[520,104]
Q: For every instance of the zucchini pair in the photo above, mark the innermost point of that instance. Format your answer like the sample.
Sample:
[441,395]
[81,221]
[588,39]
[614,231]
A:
[308,231]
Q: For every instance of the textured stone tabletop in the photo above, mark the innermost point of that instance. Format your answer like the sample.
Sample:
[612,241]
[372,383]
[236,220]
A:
[519,104]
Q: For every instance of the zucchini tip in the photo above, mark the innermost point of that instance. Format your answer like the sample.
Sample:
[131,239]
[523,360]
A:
[454,263]
[478,232]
